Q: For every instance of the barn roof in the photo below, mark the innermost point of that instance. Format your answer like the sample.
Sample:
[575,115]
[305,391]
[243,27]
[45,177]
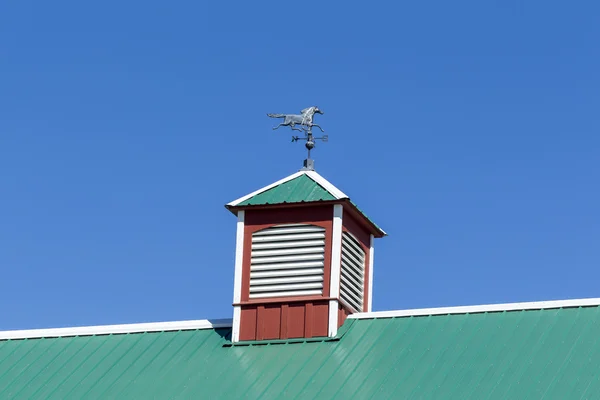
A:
[524,350]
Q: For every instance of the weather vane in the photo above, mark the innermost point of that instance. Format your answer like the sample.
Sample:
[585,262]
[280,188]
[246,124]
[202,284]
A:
[304,120]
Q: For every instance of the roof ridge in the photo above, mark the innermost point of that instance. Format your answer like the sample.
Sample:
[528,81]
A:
[116,329]
[226,323]
[533,305]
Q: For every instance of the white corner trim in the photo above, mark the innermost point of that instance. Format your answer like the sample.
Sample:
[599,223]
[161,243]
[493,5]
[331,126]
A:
[239,258]
[272,185]
[237,278]
[371,257]
[335,268]
[116,329]
[336,252]
[235,332]
[333,318]
[534,305]
[337,193]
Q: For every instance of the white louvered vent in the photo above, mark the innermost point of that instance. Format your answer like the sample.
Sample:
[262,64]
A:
[353,272]
[287,260]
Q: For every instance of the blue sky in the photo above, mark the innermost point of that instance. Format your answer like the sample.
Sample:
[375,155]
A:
[468,130]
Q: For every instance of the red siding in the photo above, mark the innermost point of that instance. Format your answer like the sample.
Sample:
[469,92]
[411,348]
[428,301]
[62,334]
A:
[305,316]
[256,220]
[343,313]
[295,320]
[248,323]
[284,320]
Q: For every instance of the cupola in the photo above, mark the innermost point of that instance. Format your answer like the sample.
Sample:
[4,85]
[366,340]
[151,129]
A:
[304,260]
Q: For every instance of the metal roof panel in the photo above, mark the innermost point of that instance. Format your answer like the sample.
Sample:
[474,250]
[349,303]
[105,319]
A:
[534,353]
[300,189]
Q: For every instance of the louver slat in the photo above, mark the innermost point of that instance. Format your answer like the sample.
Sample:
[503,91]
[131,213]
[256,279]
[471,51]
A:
[297,236]
[287,260]
[293,272]
[295,243]
[285,252]
[352,272]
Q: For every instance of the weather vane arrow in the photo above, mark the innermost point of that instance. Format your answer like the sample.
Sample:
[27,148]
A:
[304,121]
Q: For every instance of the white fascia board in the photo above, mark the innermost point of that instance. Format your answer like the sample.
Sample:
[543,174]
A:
[116,329]
[534,305]
[272,185]
[337,193]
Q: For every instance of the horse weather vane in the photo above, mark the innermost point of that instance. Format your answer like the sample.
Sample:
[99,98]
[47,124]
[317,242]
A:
[303,122]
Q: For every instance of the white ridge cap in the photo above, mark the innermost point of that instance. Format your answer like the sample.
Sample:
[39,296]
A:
[116,329]
[337,193]
[534,305]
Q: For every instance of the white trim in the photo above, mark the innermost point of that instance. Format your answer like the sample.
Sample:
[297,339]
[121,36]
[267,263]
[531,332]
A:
[272,185]
[333,318]
[116,329]
[235,332]
[237,277]
[534,305]
[239,258]
[335,268]
[336,251]
[337,193]
[371,257]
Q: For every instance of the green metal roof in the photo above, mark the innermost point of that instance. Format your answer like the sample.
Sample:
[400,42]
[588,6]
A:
[300,189]
[534,354]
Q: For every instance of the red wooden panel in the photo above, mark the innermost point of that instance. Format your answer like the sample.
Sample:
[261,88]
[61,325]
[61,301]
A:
[284,321]
[295,320]
[308,320]
[269,321]
[259,219]
[283,328]
[256,220]
[362,234]
[360,219]
[343,313]
[248,323]
[320,319]
[283,318]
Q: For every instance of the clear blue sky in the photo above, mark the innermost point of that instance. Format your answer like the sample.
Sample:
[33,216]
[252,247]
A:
[468,130]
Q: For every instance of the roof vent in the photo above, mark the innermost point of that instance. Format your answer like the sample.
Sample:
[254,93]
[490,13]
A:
[352,272]
[303,261]
[287,260]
